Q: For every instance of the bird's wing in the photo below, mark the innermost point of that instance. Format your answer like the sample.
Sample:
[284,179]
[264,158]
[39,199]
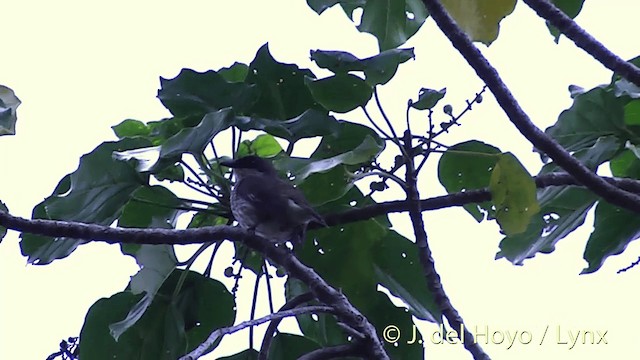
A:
[296,199]
[260,192]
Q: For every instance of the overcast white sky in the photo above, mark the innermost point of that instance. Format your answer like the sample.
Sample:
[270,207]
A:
[81,67]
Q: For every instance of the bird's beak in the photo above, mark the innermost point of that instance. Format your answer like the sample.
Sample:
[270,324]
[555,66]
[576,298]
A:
[230,163]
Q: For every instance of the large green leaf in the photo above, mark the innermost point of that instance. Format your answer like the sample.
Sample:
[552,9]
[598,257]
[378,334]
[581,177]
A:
[171,327]
[9,103]
[614,228]
[310,123]
[156,263]
[378,69]
[397,268]
[283,94]
[192,92]
[480,19]
[594,114]
[513,193]
[392,22]
[249,354]
[290,347]
[95,193]
[341,92]
[468,166]
[302,168]
[562,208]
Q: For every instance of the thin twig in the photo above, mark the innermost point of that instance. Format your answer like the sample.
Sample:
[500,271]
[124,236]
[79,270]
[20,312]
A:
[366,113]
[584,40]
[202,348]
[265,269]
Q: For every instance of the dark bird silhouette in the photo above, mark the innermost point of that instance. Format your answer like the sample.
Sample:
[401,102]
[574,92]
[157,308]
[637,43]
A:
[264,203]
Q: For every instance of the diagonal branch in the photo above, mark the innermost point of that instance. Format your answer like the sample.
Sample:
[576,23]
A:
[584,40]
[218,333]
[434,283]
[520,119]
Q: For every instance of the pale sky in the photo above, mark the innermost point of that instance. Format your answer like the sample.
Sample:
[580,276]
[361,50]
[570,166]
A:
[80,68]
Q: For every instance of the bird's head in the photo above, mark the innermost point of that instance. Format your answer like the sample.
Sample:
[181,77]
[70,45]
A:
[251,163]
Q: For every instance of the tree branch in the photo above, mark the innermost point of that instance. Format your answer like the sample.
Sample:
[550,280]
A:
[202,348]
[584,40]
[521,120]
[434,283]
[155,236]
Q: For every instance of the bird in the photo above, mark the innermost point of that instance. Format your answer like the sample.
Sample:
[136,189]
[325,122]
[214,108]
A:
[267,205]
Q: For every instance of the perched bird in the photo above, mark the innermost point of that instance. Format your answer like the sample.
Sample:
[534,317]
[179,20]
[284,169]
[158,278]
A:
[264,203]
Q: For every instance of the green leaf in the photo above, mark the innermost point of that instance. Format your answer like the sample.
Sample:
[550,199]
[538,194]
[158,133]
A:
[310,123]
[468,166]
[626,165]
[392,22]
[235,73]
[513,192]
[3,230]
[283,94]
[171,327]
[428,98]
[340,93]
[571,8]
[320,6]
[562,209]
[202,219]
[397,268]
[337,61]
[603,150]
[302,168]
[594,114]
[378,69]
[193,140]
[290,346]
[156,263]
[322,187]
[480,19]
[9,103]
[151,207]
[249,354]
[263,145]
[632,113]
[95,193]
[195,93]
[613,229]
[131,128]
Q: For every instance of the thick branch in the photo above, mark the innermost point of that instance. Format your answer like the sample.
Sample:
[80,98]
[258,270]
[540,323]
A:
[520,119]
[434,283]
[93,232]
[584,40]
[202,348]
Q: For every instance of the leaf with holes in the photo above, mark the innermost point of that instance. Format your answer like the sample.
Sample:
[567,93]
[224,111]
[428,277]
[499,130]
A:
[513,192]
